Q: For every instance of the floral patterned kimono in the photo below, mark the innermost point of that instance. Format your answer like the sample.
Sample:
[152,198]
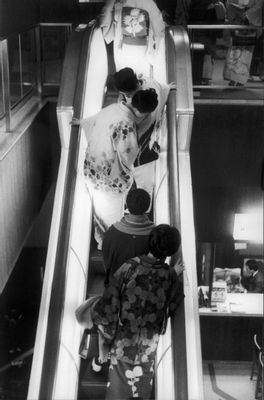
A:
[132,314]
[112,148]
[136,27]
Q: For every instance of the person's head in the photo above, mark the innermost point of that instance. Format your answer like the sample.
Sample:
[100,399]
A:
[126,81]
[144,101]
[138,201]
[164,241]
[252,265]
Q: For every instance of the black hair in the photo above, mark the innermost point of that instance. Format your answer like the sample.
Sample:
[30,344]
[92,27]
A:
[145,100]
[125,80]
[164,241]
[138,201]
[252,264]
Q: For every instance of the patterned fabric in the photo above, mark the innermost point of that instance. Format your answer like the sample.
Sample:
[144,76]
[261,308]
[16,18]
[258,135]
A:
[135,25]
[149,126]
[126,381]
[111,148]
[112,22]
[149,149]
[134,308]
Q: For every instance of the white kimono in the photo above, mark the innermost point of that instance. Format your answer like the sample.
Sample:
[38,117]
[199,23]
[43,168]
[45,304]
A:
[138,57]
[112,148]
[149,135]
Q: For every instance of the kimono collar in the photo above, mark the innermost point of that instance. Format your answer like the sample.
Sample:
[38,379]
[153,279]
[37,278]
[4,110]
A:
[127,107]
[135,224]
[152,262]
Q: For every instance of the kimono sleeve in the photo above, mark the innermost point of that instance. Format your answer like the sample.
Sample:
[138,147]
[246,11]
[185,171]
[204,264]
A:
[107,21]
[156,20]
[124,139]
[87,125]
[106,310]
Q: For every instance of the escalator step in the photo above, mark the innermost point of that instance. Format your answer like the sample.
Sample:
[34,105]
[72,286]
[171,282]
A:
[92,384]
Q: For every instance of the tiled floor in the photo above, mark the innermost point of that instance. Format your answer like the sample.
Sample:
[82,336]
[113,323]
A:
[228,380]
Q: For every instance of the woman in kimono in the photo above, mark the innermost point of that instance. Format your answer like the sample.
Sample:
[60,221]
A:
[127,82]
[136,27]
[112,147]
[132,314]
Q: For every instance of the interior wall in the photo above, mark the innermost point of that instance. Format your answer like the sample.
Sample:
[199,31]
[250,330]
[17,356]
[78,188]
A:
[226,160]
[17,15]
[68,11]
[26,174]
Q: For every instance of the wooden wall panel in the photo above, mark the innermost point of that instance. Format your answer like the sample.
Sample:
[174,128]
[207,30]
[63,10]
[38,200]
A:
[26,173]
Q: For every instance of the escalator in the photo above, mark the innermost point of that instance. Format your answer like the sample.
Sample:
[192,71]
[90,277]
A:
[74,267]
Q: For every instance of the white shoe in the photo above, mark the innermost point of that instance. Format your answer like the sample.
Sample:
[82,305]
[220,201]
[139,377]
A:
[96,366]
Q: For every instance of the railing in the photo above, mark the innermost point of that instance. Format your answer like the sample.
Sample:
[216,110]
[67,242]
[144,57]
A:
[179,372]
[18,361]
[29,61]
[55,367]
[227,57]
[180,178]
[56,348]
[19,70]
[53,41]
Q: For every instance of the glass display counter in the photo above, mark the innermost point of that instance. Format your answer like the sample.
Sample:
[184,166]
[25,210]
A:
[227,328]
[237,304]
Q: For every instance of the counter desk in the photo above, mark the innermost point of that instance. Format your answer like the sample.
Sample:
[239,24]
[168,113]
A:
[227,329]
[237,304]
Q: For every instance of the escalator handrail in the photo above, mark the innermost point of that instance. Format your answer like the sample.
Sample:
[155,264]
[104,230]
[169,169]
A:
[224,26]
[178,329]
[180,110]
[57,297]
[182,73]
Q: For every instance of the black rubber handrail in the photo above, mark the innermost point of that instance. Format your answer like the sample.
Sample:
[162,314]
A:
[57,299]
[178,323]
[180,103]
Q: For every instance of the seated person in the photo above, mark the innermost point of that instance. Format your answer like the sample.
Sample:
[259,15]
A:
[128,237]
[255,282]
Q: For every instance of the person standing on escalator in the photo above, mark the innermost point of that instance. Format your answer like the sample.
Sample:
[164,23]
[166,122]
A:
[112,148]
[133,312]
[128,237]
[136,28]
[149,127]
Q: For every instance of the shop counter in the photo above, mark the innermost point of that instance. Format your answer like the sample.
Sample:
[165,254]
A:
[237,304]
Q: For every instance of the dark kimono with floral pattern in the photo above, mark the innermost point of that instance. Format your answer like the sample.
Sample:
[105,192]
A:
[132,313]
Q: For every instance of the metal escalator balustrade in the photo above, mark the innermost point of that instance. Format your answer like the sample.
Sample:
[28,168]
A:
[184,331]
[54,372]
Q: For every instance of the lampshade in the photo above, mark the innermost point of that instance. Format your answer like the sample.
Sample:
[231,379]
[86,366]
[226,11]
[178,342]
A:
[248,227]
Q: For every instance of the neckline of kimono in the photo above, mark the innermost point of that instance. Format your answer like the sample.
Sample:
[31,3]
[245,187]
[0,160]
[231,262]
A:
[152,262]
